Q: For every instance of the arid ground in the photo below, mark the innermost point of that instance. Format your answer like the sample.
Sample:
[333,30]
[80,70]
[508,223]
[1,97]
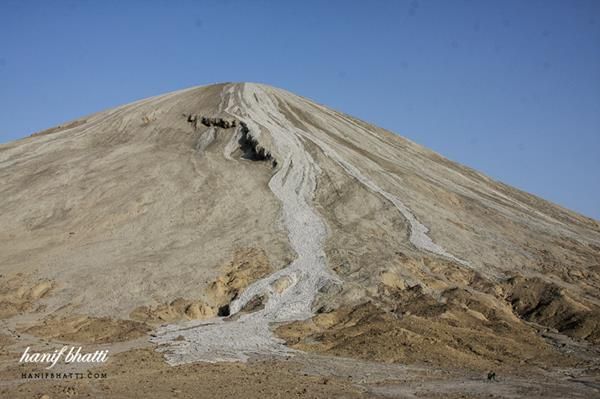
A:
[236,240]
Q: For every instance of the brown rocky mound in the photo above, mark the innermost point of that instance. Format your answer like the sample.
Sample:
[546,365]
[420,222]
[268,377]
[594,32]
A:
[462,329]
[552,306]
[247,265]
[18,294]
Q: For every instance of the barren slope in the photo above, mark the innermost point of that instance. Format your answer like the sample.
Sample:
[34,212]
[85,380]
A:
[256,223]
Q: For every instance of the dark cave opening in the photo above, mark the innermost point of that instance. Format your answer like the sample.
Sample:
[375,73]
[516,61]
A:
[223,311]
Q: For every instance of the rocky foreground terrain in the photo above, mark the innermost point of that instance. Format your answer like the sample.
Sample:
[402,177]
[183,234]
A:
[236,240]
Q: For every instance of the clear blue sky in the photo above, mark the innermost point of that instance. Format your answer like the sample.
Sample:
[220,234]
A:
[511,88]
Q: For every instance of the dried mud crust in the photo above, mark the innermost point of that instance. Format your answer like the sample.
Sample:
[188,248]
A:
[143,373]
[86,329]
[433,310]
[19,293]
[247,265]
[60,128]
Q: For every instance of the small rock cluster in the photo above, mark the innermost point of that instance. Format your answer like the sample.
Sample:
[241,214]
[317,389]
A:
[217,122]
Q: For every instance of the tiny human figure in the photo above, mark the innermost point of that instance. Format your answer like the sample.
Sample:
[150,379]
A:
[491,376]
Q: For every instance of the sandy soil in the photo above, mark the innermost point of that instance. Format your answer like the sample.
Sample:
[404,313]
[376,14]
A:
[143,373]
